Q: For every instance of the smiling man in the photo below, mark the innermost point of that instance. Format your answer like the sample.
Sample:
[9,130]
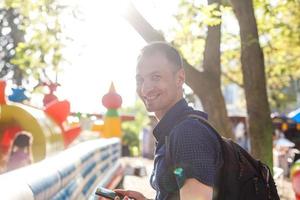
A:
[187,153]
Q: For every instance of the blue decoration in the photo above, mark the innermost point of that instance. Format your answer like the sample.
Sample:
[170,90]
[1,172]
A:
[295,115]
[17,95]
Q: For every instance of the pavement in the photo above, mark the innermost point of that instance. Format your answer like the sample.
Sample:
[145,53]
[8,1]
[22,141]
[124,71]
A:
[136,183]
[141,184]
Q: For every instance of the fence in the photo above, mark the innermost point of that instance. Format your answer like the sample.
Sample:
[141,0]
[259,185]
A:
[71,174]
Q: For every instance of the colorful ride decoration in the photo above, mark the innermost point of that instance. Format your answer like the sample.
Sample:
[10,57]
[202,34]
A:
[48,127]
[50,97]
[112,121]
[2,92]
[295,177]
[59,111]
[18,95]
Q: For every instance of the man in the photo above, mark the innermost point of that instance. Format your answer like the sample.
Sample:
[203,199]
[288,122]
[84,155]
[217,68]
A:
[194,149]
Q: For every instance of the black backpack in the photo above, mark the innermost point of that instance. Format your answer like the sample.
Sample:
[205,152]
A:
[241,177]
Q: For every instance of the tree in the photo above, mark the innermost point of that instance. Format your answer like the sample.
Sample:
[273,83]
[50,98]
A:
[278,24]
[32,39]
[206,83]
[253,68]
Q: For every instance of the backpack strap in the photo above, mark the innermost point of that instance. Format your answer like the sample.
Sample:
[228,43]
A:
[206,122]
[218,188]
[220,175]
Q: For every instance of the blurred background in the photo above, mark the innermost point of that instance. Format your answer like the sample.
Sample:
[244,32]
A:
[242,62]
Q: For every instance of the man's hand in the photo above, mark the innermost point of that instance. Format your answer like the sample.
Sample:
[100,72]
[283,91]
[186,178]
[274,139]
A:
[128,194]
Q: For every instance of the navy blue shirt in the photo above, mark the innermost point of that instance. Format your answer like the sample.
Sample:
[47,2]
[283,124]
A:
[194,150]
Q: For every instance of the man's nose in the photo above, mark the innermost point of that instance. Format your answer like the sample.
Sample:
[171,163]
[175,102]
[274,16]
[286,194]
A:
[146,88]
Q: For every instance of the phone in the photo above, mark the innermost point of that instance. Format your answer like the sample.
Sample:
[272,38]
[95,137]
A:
[104,192]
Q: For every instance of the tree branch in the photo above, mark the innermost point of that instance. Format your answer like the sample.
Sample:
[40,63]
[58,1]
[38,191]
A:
[232,79]
[149,34]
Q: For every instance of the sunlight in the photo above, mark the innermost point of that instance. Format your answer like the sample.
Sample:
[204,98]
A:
[103,49]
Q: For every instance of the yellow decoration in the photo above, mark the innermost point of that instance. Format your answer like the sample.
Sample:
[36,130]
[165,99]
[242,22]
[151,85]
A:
[47,135]
[98,127]
[284,126]
[298,126]
[112,127]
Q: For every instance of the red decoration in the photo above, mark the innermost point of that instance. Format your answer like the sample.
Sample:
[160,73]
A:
[2,92]
[70,135]
[58,110]
[112,100]
[125,118]
[7,137]
[49,98]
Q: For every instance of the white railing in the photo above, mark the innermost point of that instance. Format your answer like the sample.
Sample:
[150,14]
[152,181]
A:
[71,174]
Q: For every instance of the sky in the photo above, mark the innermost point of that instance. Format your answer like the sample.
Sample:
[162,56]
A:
[103,48]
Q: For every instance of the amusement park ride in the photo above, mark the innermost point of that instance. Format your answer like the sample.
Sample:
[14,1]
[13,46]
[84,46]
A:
[89,163]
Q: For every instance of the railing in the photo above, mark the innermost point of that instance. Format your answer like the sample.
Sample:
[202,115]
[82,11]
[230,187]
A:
[71,174]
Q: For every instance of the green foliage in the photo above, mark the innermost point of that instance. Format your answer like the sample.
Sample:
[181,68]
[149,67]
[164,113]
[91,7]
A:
[41,45]
[279,26]
[132,140]
[132,129]
[193,17]
[279,29]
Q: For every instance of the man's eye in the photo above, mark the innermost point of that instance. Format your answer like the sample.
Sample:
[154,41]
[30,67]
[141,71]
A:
[156,77]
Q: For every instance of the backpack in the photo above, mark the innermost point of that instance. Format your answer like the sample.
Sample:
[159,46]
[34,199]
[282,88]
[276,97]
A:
[240,177]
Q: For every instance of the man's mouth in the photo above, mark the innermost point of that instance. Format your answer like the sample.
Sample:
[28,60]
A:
[150,98]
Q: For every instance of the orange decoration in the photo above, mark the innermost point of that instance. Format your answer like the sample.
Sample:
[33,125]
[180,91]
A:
[58,110]
[2,92]
[112,100]
[70,135]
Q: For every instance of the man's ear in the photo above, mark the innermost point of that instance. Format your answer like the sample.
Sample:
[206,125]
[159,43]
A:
[180,77]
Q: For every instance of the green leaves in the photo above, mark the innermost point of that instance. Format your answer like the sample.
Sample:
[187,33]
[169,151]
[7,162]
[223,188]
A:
[279,24]
[41,45]
[193,17]
[279,30]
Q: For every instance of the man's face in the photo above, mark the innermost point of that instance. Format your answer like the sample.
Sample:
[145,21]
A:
[159,85]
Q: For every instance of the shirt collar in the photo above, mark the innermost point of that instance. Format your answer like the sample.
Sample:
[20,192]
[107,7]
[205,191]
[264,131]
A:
[169,120]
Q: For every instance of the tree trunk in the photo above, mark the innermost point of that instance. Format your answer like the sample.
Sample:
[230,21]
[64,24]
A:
[206,84]
[212,97]
[260,125]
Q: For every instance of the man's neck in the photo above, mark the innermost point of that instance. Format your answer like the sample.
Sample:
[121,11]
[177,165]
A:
[160,114]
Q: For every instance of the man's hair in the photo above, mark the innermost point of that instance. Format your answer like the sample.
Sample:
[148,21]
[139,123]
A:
[164,48]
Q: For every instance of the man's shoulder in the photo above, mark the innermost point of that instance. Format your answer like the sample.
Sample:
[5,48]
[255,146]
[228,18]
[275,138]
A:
[191,127]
